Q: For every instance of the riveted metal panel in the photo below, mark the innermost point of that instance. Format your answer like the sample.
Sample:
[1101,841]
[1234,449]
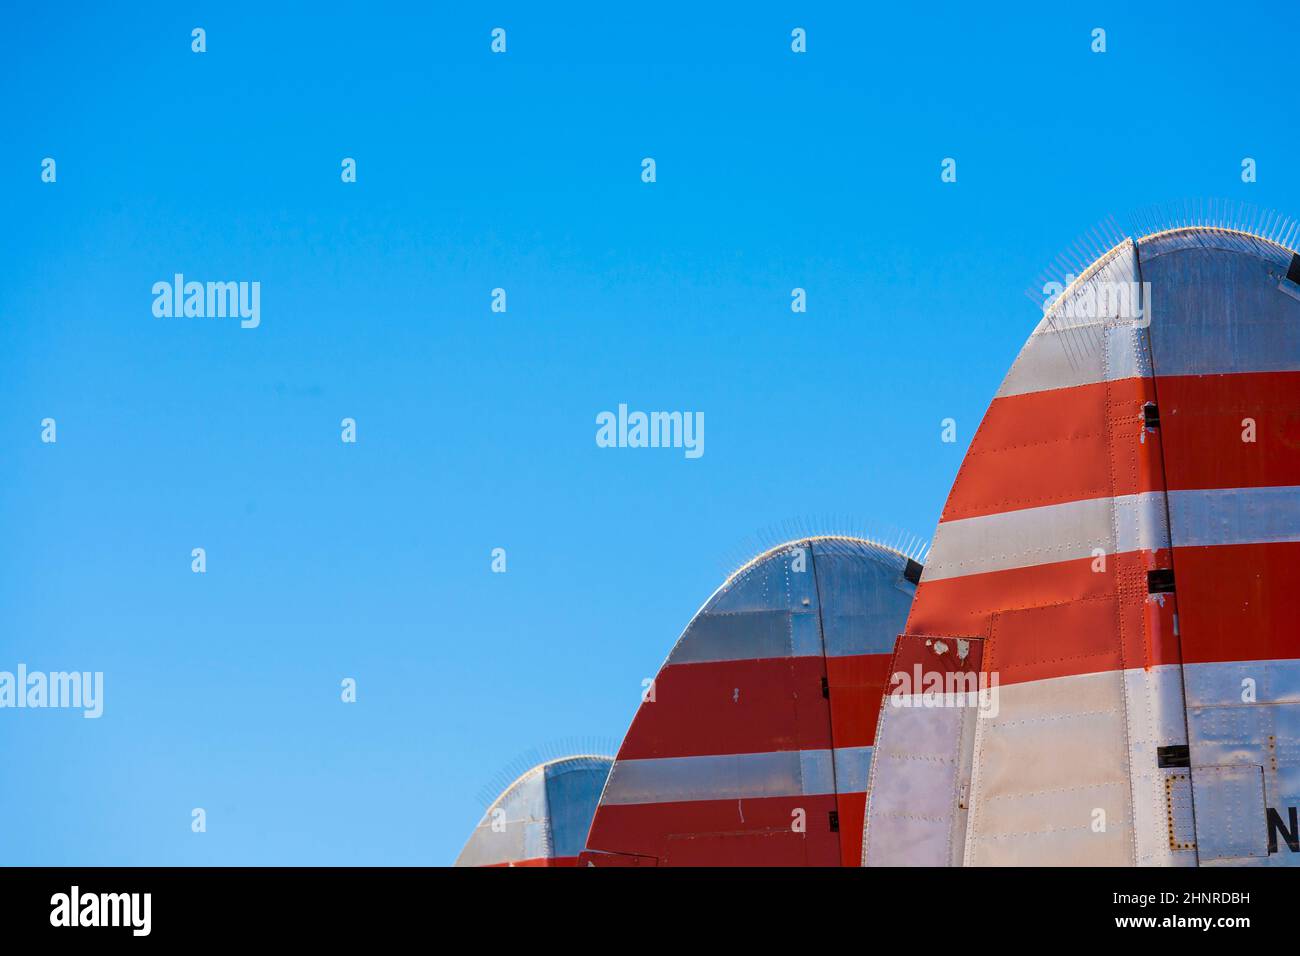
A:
[864,597]
[1230,817]
[920,773]
[573,789]
[514,828]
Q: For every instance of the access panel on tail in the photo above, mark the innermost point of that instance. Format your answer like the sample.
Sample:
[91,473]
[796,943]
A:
[753,744]
[542,818]
[1122,543]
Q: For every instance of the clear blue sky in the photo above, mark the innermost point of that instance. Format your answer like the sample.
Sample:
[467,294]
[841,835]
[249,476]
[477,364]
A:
[476,430]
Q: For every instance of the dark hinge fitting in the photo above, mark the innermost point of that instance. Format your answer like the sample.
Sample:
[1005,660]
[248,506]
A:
[1160,581]
[826,688]
[912,572]
[835,821]
[1151,415]
[1175,756]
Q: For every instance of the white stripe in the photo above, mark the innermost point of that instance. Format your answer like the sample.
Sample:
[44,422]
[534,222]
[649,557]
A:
[852,768]
[782,773]
[1235,516]
[1214,308]
[1046,535]
[1070,531]
[1060,749]
[1067,356]
[1080,342]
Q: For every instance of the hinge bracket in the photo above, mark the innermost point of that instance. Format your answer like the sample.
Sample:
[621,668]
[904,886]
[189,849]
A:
[1178,755]
[1160,581]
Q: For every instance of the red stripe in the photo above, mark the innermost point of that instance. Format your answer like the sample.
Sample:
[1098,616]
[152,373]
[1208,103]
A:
[853,813]
[1201,424]
[1239,602]
[538,861]
[913,650]
[598,858]
[1053,446]
[1236,602]
[1046,448]
[750,832]
[856,685]
[732,707]
[1055,620]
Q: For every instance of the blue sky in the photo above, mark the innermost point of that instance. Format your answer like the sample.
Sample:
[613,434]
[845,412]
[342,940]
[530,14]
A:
[476,429]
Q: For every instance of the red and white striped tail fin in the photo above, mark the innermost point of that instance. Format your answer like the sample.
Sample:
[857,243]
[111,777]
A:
[753,745]
[1121,545]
